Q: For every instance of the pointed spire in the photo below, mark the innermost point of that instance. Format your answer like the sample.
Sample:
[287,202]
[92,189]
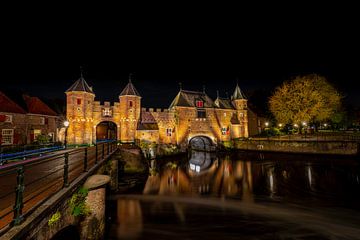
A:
[129,88]
[238,94]
[204,88]
[227,94]
[217,93]
[180,85]
[80,85]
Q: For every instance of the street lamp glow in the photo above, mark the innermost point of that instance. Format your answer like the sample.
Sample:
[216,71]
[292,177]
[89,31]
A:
[66,123]
[266,124]
[295,125]
[280,125]
[325,125]
[304,123]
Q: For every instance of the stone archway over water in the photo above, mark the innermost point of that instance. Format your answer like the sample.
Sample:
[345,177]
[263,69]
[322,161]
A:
[202,143]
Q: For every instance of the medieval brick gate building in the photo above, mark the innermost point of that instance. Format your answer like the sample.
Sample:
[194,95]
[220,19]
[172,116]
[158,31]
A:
[191,114]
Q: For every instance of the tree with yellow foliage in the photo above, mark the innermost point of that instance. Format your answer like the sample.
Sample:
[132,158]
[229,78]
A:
[308,98]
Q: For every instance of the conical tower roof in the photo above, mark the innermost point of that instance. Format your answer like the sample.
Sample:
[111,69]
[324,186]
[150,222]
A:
[130,90]
[81,86]
[238,94]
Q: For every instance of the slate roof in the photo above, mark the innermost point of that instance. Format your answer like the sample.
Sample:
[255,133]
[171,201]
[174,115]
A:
[148,126]
[147,122]
[81,86]
[8,105]
[36,106]
[130,90]
[187,98]
[224,103]
[238,94]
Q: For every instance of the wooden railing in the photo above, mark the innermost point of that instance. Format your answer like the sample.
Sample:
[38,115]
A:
[26,184]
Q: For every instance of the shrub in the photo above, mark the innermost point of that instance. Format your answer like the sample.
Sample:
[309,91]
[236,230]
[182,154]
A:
[54,219]
[77,203]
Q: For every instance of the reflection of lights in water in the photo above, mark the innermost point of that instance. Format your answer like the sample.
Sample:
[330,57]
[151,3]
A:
[309,176]
[194,167]
[271,181]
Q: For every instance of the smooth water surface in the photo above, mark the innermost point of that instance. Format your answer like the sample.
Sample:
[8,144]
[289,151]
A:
[242,196]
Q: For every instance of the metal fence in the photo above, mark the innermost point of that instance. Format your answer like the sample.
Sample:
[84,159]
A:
[25,185]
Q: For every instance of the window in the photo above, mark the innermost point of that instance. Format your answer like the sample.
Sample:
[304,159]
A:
[42,120]
[37,132]
[168,132]
[199,104]
[7,136]
[51,137]
[107,112]
[225,131]
[78,101]
[8,118]
[201,114]
[130,103]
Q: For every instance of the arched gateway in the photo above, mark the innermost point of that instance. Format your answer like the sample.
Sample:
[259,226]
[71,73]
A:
[106,130]
[201,143]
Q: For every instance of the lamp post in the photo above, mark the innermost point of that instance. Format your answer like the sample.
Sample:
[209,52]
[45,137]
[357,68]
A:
[66,124]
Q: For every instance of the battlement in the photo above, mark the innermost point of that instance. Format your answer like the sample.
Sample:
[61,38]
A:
[105,104]
[158,110]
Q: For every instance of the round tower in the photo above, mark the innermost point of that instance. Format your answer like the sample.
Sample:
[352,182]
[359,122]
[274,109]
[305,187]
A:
[130,107]
[79,112]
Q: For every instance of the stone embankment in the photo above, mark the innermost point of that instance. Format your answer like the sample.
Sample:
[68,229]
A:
[300,146]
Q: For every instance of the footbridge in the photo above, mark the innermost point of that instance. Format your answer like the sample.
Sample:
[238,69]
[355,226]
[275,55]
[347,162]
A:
[33,191]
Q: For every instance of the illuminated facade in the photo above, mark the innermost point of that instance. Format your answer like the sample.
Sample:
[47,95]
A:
[190,114]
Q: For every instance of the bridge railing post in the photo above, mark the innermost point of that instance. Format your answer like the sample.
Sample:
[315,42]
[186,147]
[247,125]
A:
[96,153]
[66,169]
[19,204]
[108,148]
[85,159]
[103,150]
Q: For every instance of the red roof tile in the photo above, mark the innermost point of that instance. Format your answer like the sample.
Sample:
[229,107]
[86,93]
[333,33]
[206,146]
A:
[36,106]
[8,105]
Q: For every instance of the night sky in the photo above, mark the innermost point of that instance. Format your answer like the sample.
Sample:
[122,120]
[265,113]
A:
[42,52]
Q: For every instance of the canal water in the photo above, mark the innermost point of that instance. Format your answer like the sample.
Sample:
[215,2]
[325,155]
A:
[246,195]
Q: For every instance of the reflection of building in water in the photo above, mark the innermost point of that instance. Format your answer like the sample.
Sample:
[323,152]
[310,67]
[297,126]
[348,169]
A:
[129,219]
[234,179]
[200,161]
[174,181]
[218,177]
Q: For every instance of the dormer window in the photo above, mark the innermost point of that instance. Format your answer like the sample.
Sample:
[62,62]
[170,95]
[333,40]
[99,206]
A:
[130,103]
[78,101]
[199,104]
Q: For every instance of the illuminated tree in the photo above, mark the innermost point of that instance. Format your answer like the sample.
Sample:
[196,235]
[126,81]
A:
[307,98]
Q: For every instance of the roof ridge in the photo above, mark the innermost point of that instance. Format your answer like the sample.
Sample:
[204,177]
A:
[191,91]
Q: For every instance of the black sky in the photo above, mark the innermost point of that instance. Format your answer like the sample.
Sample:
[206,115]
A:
[42,50]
